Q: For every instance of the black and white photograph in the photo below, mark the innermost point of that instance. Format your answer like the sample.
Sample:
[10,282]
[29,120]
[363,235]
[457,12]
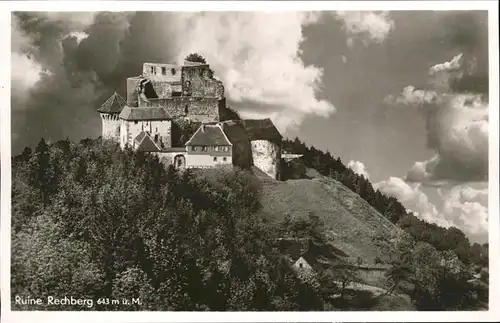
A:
[249,160]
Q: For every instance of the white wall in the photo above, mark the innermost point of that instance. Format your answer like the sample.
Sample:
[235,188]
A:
[302,264]
[206,160]
[167,158]
[130,129]
[266,156]
[110,126]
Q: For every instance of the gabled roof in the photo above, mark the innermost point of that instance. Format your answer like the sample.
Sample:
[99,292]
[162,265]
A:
[314,253]
[142,113]
[114,104]
[209,135]
[235,132]
[261,129]
[144,142]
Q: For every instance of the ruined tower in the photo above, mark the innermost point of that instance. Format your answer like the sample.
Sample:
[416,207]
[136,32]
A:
[110,112]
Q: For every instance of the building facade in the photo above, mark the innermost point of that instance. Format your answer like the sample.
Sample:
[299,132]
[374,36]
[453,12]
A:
[166,93]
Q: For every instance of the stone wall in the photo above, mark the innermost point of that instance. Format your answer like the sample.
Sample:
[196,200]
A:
[165,89]
[110,126]
[156,70]
[196,82]
[132,91]
[196,109]
[266,156]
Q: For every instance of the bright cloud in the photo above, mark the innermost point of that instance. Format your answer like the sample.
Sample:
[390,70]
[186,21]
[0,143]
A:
[258,60]
[369,26]
[457,125]
[464,207]
[359,168]
[79,35]
[454,64]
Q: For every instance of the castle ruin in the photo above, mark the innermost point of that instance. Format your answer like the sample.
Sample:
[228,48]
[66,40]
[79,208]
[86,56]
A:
[165,95]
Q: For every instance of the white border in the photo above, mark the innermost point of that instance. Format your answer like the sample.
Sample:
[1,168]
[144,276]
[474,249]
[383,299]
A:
[494,223]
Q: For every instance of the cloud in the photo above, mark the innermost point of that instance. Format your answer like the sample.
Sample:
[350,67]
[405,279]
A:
[458,131]
[453,65]
[258,60]
[457,124]
[79,35]
[25,71]
[454,102]
[464,207]
[368,26]
[359,168]
[51,96]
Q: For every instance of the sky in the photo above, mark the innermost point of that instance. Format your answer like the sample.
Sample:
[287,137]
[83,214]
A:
[400,96]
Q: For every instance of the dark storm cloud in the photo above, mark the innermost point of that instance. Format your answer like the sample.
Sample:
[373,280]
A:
[467,32]
[83,69]
[454,103]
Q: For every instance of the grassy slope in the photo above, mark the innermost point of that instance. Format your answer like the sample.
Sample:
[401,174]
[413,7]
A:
[355,227]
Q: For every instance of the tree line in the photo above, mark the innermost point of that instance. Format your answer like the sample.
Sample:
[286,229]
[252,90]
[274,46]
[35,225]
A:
[93,221]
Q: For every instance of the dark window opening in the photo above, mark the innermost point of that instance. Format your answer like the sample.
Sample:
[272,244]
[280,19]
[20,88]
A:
[147,88]
[135,122]
[156,138]
[176,93]
[164,70]
[215,159]
[224,159]
[173,71]
[186,109]
[179,162]
[300,265]
[152,69]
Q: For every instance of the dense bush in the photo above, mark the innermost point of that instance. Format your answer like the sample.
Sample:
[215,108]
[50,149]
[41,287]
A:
[91,220]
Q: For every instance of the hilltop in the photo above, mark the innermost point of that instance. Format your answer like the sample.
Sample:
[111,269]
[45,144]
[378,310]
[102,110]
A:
[207,239]
[353,225]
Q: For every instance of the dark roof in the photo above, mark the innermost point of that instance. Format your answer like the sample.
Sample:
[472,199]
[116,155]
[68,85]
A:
[262,129]
[235,132]
[292,248]
[208,135]
[114,104]
[145,142]
[143,113]
[140,136]
[173,149]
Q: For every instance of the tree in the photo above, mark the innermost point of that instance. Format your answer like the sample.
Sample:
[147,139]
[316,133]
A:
[197,58]
[396,274]
[45,262]
[344,276]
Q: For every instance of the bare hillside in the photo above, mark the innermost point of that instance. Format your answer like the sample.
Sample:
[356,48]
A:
[355,227]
